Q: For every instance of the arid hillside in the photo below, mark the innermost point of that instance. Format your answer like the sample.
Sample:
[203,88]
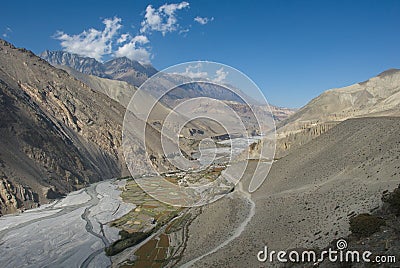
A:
[58,134]
[378,96]
[309,195]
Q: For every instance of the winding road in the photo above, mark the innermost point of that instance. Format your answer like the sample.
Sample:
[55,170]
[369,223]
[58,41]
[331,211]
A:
[237,232]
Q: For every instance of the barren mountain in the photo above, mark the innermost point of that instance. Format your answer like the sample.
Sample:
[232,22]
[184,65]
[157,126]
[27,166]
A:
[57,133]
[378,96]
[128,70]
[122,92]
[119,91]
[122,69]
[84,65]
[136,73]
[281,113]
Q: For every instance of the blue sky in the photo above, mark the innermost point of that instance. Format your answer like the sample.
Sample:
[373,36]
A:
[293,50]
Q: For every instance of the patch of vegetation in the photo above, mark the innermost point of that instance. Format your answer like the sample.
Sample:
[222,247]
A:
[364,225]
[153,253]
[393,199]
[127,240]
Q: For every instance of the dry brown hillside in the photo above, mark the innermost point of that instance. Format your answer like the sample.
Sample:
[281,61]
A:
[308,196]
[378,96]
[57,134]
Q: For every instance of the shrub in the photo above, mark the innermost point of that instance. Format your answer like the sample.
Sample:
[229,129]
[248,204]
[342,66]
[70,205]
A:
[127,240]
[365,224]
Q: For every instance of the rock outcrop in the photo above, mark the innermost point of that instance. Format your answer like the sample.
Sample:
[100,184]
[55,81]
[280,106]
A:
[14,197]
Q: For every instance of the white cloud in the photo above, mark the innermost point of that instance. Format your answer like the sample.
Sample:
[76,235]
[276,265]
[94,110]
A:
[184,31]
[220,75]
[196,72]
[162,19]
[92,43]
[203,20]
[97,44]
[123,38]
[109,41]
[132,49]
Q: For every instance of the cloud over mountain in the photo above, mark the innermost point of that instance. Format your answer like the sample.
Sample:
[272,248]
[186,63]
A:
[110,42]
[133,49]
[91,43]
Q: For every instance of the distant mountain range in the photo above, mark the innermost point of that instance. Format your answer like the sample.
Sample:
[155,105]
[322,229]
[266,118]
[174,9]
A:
[136,73]
[122,69]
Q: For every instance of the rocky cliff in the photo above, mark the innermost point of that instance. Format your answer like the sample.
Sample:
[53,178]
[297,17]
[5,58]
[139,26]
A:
[13,197]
